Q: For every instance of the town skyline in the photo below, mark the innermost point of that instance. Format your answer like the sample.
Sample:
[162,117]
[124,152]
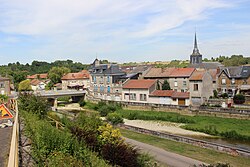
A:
[121,32]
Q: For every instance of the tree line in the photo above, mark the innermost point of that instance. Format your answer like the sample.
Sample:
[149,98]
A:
[18,72]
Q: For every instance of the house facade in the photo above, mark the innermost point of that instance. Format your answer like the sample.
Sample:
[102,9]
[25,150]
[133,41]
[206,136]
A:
[5,86]
[138,90]
[105,81]
[37,85]
[200,86]
[178,78]
[233,80]
[76,81]
[169,97]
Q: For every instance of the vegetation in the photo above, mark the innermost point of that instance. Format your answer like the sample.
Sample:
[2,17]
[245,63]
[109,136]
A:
[174,63]
[3,98]
[225,127]
[33,104]
[165,85]
[18,72]
[239,99]
[215,93]
[234,60]
[55,74]
[114,118]
[199,153]
[82,103]
[24,85]
[154,115]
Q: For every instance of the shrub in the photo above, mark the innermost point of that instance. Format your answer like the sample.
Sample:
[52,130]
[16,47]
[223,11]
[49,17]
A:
[224,95]
[239,99]
[215,94]
[114,118]
[33,104]
[65,98]
[104,110]
[82,103]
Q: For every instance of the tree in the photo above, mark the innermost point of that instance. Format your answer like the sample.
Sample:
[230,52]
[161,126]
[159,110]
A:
[165,85]
[56,73]
[24,85]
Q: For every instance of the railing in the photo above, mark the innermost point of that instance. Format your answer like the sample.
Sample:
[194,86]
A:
[13,155]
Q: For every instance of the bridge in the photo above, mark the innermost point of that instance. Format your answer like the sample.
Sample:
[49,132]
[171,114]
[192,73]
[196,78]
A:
[60,93]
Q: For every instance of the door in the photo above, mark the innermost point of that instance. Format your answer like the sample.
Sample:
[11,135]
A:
[181,102]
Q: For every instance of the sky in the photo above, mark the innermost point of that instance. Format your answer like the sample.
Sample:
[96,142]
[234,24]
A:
[121,30]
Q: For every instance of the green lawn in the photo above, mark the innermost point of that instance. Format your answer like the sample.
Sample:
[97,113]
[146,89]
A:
[226,127]
[205,155]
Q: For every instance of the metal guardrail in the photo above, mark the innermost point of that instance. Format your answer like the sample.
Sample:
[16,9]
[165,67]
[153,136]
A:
[197,142]
[13,154]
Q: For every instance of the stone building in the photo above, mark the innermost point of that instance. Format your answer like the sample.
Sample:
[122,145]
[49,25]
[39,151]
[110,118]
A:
[5,86]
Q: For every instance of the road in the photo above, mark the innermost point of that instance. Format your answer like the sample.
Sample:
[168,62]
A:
[165,157]
[5,140]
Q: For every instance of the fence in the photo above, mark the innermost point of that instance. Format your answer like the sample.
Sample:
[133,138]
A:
[13,155]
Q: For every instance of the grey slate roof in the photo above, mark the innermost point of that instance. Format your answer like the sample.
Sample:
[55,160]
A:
[237,71]
[207,65]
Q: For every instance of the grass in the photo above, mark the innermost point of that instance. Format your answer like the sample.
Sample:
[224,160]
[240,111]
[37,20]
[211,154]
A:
[204,155]
[225,127]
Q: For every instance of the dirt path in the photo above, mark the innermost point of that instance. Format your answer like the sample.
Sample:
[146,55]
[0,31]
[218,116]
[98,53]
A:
[165,157]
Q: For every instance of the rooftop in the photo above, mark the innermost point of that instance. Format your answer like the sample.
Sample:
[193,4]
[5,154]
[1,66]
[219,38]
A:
[139,84]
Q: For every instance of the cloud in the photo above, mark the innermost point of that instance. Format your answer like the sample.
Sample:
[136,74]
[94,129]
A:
[63,28]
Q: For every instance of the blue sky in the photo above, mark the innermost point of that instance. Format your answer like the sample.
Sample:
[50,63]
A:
[122,30]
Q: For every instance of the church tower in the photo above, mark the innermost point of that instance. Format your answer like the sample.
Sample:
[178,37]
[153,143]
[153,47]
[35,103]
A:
[195,57]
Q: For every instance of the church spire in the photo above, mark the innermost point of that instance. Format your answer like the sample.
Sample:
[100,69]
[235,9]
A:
[195,50]
[195,57]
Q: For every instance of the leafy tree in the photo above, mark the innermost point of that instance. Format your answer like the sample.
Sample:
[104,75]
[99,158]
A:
[158,87]
[56,73]
[24,85]
[165,85]
[239,99]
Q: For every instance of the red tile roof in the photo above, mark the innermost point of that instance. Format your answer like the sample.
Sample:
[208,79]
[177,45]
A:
[169,72]
[162,93]
[197,75]
[139,84]
[35,82]
[182,72]
[159,72]
[84,74]
[35,76]
[181,95]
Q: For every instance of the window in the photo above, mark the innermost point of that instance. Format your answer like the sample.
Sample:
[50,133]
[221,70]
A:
[223,81]
[182,90]
[1,85]
[108,90]
[175,83]
[184,83]
[233,81]
[143,97]
[132,96]
[195,87]
[101,88]
[94,79]
[108,79]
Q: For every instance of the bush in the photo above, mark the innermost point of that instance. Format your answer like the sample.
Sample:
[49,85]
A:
[104,110]
[33,104]
[215,94]
[114,118]
[82,103]
[65,98]
[224,95]
[239,99]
